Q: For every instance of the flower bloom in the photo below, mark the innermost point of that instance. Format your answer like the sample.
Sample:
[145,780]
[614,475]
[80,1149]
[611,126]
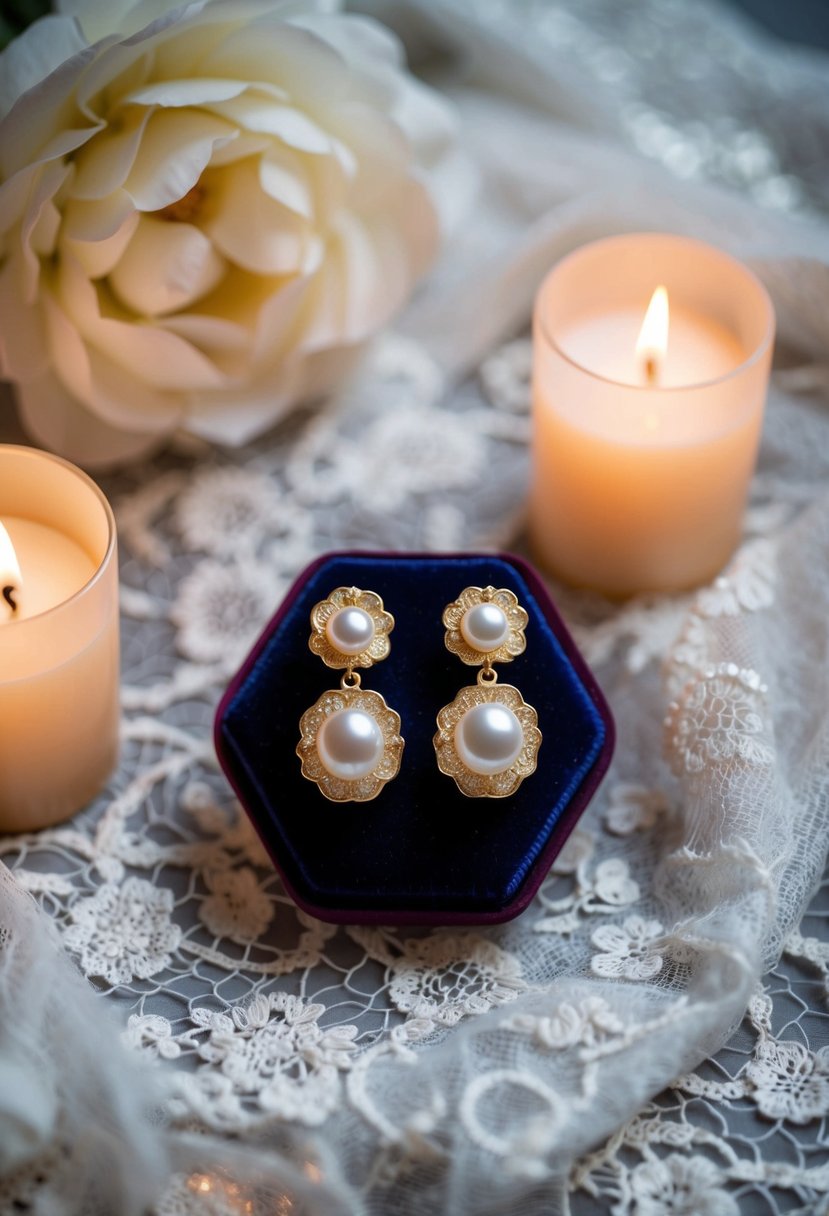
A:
[202,218]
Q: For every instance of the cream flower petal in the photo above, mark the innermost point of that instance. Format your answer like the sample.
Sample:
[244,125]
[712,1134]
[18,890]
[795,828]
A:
[120,398]
[254,230]
[98,257]
[242,146]
[365,41]
[365,279]
[309,69]
[327,315]
[277,320]
[104,164]
[35,54]
[157,358]
[166,267]
[192,91]
[230,417]
[45,185]
[176,148]
[213,335]
[117,397]
[98,219]
[24,348]
[56,419]
[265,116]
[43,235]
[283,175]
[381,152]
[32,133]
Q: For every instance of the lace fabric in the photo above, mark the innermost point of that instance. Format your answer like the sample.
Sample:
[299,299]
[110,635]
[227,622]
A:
[294,1065]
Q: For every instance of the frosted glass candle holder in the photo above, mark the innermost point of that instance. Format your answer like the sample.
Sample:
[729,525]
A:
[59,656]
[638,484]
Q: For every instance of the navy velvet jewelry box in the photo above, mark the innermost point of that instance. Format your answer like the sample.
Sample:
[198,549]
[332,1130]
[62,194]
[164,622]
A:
[420,852]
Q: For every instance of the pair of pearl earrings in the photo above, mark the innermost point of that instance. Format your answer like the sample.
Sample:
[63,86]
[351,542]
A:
[487,738]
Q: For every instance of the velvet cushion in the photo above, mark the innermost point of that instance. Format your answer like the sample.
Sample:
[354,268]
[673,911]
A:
[421,851]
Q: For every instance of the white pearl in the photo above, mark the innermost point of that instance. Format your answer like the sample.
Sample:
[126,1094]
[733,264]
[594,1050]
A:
[350,744]
[489,738]
[485,627]
[350,630]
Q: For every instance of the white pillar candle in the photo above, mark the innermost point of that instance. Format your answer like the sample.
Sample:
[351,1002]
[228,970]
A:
[642,457]
[59,708]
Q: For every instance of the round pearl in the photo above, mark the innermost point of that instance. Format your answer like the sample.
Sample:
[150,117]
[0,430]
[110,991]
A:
[489,738]
[350,744]
[350,630]
[485,627]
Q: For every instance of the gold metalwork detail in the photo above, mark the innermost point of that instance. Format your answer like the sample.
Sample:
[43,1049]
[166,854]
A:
[351,597]
[517,618]
[496,785]
[350,696]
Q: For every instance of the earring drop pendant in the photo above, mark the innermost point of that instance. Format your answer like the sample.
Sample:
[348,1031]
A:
[488,737]
[350,743]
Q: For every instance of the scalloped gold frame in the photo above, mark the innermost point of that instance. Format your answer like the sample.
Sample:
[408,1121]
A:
[337,789]
[517,618]
[497,785]
[347,597]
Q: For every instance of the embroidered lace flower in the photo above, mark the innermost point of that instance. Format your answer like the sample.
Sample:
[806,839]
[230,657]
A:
[238,908]
[276,1051]
[223,510]
[748,587]
[152,1034]
[221,608]
[787,1081]
[634,808]
[717,719]
[628,950]
[125,932]
[612,884]
[589,1022]
[446,978]
[678,1186]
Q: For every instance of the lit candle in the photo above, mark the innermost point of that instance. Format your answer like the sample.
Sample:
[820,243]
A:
[58,639]
[647,417]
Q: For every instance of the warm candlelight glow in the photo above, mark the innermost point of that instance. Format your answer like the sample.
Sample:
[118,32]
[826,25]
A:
[9,572]
[652,343]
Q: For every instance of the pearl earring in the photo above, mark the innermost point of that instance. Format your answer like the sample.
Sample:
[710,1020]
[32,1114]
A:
[350,742]
[488,738]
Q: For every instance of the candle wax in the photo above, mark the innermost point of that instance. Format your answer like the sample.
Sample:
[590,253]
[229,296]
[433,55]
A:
[53,567]
[699,349]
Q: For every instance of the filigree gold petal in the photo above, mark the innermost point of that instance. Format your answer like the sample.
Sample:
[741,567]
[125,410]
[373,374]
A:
[379,648]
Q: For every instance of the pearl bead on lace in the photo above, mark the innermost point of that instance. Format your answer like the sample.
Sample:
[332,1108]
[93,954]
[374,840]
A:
[350,744]
[489,738]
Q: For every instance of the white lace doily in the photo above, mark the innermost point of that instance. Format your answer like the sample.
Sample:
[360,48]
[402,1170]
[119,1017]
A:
[305,1067]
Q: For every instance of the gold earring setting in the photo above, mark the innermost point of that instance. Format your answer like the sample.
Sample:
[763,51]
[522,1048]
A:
[488,737]
[350,743]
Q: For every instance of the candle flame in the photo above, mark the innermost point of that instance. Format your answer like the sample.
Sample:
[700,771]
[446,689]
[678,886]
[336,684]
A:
[652,343]
[9,570]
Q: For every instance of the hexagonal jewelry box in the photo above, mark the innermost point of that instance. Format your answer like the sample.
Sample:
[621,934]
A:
[420,852]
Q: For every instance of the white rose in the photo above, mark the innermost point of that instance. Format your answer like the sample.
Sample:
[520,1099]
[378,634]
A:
[201,218]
